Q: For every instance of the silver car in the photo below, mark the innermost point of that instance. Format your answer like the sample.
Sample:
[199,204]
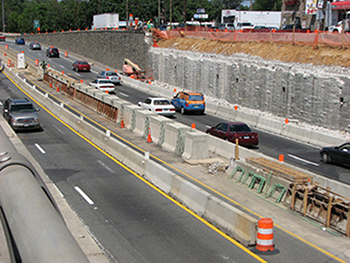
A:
[112,76]
[21,114]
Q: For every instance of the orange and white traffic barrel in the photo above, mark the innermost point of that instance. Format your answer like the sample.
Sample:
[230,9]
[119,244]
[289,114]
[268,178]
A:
[37,62]
[264,241]
[9,63]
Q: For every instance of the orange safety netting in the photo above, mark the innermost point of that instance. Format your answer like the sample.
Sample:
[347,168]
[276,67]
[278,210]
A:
[304,37]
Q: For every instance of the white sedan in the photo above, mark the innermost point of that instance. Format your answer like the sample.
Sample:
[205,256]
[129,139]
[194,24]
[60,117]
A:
[103,84]
[161,106]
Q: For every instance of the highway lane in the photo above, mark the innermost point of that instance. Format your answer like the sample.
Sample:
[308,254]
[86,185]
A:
[133,221]
[299,154]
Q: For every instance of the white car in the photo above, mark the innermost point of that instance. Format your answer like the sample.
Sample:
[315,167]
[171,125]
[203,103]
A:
[244,25]
[161,106]
[103,84]
[336,28]
[112,76]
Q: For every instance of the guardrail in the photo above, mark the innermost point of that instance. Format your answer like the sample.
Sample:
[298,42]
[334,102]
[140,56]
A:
[34,228]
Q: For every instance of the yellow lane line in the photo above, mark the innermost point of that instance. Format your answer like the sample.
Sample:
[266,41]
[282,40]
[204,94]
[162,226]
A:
[201,183]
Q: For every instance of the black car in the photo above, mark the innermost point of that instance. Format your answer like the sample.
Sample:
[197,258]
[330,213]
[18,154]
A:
[52,52]
[35,46]
[337,155]
[20,41]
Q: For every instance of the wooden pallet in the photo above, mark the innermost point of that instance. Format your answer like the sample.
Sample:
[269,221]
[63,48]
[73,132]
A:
[279,169]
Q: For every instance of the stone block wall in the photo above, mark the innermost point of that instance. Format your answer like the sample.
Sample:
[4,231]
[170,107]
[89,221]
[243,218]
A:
[307,93]
[304,92]
[109,47]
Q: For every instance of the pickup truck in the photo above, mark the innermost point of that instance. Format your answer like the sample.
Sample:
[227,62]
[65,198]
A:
[2,37]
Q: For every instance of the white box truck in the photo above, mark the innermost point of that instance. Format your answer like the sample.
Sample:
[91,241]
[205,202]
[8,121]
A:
[257,18]
[107,20]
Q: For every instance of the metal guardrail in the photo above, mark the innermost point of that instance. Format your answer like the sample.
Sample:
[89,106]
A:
[34,228]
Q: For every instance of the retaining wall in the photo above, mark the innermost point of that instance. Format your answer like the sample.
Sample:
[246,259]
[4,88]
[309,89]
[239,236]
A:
[307,93]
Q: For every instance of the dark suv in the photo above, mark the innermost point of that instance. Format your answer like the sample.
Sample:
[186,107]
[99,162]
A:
[52,52]
[21,114]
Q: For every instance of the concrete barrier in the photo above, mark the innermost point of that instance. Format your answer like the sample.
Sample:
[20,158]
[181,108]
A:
[129,116]
[196,146]
[159,176]
[250,119]
[157,125]
[297,133]
[234,222]
[172,134]
[142,122]
[270,125]
[189,195]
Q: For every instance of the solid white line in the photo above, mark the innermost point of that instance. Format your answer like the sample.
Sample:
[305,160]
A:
[93,71]
[87,199]
[303,160]
[62,66]
[39,148]
[77,74]
[123,94]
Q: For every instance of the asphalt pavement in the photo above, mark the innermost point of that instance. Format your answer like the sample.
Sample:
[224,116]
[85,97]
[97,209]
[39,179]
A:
[300,232]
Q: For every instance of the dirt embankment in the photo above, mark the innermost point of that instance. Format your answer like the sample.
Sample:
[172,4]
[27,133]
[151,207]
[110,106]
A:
[321,55]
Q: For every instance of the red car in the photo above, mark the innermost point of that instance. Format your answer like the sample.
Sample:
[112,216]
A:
[231,130]
[81,65]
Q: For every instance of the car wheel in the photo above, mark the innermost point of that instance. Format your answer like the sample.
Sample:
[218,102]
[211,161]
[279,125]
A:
[182,110]
[325,157]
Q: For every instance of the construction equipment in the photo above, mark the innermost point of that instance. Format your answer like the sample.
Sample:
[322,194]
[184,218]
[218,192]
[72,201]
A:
[132,70]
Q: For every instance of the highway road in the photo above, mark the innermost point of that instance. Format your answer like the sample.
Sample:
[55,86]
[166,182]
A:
[133,221]
[296,153]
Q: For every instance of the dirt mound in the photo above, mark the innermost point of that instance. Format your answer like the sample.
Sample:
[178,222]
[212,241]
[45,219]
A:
[321,55]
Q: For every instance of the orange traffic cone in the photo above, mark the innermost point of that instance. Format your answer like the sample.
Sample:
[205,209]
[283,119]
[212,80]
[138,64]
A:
[57,88]
[149,138]
[122,124]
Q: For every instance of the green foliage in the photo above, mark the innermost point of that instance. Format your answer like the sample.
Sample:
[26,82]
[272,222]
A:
[55,15]
[267,5]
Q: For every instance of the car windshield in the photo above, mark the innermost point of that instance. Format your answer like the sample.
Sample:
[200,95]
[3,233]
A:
[83,63]
[22,108]
[105,81]
[161,102]
[246,24]
[196,97]
[239,128]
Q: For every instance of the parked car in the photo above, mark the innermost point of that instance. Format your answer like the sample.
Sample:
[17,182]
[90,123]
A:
[189,102]
[35,46]
[290,26]
[336,28]
[244,25]
[52,52]
[336,154]
[231,131]
[2,37]
[103,84]
[81,65]
[20,41]
[21,114]
[112,76]
[161,106]
[228,26]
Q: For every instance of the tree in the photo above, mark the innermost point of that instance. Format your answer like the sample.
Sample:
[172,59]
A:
[267,5]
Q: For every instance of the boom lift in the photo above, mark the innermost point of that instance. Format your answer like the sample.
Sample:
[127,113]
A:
[132,70]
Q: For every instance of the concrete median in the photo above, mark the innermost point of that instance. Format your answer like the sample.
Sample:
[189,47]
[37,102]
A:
[234,222]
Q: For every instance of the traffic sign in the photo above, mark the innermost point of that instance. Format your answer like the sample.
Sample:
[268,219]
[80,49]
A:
[36,24]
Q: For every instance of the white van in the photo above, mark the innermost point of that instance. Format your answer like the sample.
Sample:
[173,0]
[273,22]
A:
[244,25]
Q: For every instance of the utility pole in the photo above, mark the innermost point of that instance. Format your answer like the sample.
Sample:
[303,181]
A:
[171,11]
[3,17]
[185,12]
